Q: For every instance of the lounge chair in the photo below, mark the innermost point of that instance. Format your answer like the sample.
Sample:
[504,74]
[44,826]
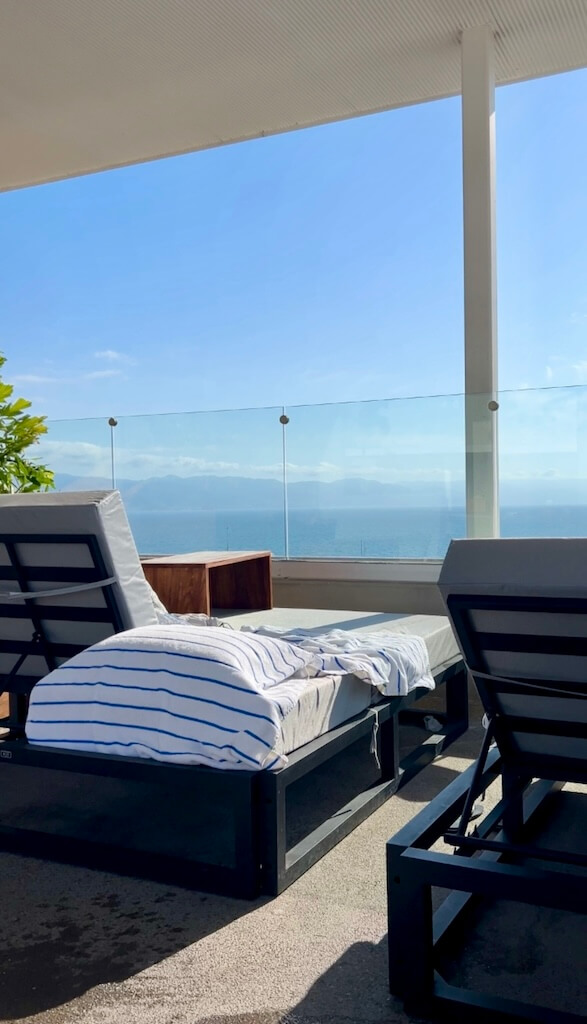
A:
[519,610]
[77,551]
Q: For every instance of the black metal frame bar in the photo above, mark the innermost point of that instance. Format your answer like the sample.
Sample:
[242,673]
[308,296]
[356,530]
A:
[235,792]
[16,683]
[485,866]
[281,866]
[255,801]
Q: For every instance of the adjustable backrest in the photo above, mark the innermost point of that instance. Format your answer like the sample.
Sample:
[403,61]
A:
[53,542]
[519,611]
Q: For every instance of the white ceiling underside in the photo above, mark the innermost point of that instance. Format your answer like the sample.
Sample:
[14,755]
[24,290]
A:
[91,84]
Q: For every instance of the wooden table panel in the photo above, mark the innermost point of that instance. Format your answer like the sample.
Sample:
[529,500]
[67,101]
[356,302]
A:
[182,588]
[200,581]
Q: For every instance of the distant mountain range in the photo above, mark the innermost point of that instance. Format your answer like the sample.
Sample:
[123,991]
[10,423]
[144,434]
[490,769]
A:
[209,493]
[206,493]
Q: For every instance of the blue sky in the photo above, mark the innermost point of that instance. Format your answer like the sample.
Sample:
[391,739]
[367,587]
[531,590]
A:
[318,266]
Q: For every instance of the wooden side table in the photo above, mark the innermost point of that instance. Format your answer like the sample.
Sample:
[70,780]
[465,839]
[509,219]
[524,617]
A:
[203,580]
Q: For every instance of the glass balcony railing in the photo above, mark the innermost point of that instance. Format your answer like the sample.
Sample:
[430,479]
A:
[543,462]
[371,480]
[376,479]
[202,481]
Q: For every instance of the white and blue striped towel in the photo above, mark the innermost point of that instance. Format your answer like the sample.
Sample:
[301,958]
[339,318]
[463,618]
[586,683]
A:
[394,663]
[186,694]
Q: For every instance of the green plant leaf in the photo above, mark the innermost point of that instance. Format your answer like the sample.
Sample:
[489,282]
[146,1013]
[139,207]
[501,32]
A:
[18,431]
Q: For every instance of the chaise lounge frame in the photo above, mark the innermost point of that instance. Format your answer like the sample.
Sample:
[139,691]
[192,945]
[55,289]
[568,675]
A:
[256,801]
[418,937]
[502,858]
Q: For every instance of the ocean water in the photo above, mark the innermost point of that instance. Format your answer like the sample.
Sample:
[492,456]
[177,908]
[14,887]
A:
[342,533]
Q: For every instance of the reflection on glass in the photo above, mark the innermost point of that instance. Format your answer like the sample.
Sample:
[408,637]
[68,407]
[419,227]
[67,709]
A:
[208,481]
[364,479]
[376,479]
[79,452]
[543,462]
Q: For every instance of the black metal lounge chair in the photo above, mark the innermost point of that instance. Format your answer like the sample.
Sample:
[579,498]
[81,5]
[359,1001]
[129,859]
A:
[519,610]
[70,576]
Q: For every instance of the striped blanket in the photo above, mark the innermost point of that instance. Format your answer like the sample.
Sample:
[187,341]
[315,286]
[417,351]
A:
[186,694]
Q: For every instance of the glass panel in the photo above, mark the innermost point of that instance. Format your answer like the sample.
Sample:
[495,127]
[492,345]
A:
[376,479]
[208,481]
[79,453]
[543,462]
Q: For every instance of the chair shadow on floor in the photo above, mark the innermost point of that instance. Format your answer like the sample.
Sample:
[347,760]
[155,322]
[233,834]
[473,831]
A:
[67,929]
[429,783]
[355,988]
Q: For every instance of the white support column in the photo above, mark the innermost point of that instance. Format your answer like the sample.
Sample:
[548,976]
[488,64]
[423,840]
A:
[478,89]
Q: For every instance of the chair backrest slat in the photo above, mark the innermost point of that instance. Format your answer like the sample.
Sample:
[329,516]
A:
[522,628]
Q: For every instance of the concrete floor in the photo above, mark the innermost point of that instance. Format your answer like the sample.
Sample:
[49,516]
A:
[84,946]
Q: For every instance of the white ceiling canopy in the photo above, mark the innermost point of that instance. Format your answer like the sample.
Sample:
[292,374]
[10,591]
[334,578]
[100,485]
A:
[91,84]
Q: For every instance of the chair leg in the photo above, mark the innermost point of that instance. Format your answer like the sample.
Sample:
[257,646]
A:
[457,703]
[272,827]
[513,786]
[410,936]
[246,830]
[18,705]
[388,748]
[474,789]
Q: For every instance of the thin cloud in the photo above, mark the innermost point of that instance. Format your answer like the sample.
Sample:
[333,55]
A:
[88,459]
[99,374]
[33,378]
[112,356]
[581,369]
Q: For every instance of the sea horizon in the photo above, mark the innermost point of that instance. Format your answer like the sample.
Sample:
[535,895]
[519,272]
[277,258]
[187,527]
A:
[419,532]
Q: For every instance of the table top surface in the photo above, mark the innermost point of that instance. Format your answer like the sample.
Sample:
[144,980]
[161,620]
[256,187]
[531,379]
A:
[207,558]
